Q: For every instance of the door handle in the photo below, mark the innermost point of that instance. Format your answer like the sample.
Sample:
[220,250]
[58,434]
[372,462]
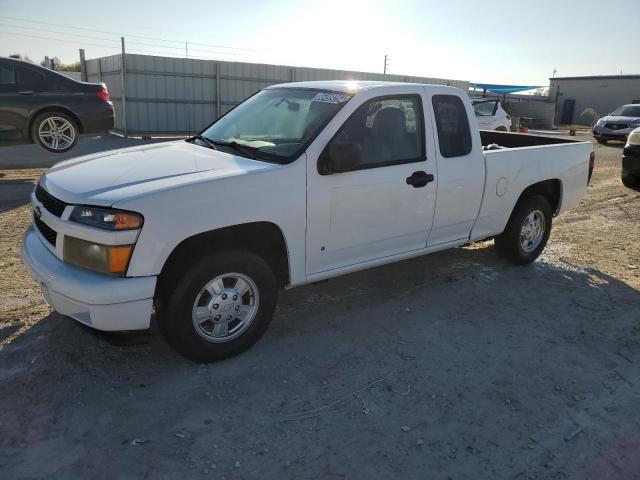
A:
[419,179]
[26,92]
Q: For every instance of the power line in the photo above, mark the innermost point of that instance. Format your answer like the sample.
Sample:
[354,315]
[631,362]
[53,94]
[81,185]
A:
[57,32]
[75,42]
[159,49]
[121,34]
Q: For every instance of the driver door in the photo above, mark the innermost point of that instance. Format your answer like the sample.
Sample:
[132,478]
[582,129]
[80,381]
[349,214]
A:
[384,205]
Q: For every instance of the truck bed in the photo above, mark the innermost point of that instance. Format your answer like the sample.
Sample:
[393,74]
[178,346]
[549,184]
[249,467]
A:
[516,161]
[519,140]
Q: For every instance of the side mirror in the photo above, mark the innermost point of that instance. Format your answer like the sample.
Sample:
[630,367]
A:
[344,157]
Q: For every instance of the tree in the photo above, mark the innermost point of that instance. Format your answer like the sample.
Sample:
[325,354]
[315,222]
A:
[59,66]
[51,63]
[21,57]
[69,67]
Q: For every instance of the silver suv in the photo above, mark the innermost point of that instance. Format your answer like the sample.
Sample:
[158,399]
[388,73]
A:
[618,124]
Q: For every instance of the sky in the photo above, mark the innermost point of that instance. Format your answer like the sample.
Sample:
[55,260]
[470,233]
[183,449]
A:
[504,42]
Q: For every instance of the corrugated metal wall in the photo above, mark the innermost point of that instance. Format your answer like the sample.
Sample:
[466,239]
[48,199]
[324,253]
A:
[177,95]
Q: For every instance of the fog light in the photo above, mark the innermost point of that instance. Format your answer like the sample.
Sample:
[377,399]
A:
[109,259]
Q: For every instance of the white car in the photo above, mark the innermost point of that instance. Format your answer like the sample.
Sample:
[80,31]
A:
[490,115]
[299,183]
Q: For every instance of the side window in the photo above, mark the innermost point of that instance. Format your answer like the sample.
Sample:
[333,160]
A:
[454,134]
[484,109]
[7,77]
[28,79]
[387,131]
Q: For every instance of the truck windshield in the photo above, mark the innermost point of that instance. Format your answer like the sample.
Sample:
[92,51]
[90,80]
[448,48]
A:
[276,123]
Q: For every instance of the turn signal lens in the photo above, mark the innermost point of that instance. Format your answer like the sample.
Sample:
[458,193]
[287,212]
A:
[119,258]
[109,259]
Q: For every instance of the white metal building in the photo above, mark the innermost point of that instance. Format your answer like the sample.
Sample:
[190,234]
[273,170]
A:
[582,100]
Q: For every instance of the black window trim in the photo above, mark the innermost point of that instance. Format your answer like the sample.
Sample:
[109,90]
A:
[435,119]
[323,158]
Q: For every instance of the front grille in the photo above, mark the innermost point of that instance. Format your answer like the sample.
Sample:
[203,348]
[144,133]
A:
[50,202]
[616,126]
[47,232]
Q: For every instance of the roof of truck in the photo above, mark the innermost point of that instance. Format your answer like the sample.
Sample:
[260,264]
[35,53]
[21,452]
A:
[345,86]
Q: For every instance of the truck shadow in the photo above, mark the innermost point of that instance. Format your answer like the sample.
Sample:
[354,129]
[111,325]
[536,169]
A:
[447,285]
[454,334]
[14,193]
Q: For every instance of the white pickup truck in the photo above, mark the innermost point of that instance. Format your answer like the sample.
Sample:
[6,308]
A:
[299,183]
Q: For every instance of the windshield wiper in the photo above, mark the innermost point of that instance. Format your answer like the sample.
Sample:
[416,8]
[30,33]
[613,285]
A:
[204,139]
[248,151]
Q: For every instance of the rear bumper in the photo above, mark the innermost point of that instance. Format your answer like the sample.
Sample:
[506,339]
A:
[99,119]
[99,301]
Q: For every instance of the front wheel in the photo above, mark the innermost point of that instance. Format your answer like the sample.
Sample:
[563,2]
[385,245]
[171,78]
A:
[218,307]
[527,232]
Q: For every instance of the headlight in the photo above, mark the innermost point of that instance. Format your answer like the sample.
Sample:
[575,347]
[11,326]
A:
[106,218]
[601,122]
[634,138]
[109,259]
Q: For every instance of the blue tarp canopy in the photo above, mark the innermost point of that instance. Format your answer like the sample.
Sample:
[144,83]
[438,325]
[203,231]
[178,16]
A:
[502,89]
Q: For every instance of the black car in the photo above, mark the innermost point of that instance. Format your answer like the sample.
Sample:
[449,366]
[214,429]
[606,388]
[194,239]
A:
[41,106]
[631,161]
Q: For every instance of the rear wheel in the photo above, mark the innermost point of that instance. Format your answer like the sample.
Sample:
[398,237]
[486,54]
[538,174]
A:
[219,306]
[527,232]
[55,131]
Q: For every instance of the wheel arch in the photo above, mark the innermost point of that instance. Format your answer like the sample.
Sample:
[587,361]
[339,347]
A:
[265,239]
[53,108]
[550,189]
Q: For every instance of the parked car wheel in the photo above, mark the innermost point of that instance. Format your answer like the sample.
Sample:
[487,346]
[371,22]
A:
[527,232]
[630,180]
[55,131]
[219,307]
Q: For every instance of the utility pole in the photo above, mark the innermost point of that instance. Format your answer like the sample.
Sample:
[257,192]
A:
[386,64]
[123,96]
[83,66]
[186,49]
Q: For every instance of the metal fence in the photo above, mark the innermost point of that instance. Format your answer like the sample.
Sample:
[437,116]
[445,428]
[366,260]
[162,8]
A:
[180,95]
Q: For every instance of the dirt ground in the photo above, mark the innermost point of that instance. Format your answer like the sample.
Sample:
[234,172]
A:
[455,365]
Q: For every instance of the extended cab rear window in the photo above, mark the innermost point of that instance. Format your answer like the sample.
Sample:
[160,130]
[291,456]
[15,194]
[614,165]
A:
[452,123]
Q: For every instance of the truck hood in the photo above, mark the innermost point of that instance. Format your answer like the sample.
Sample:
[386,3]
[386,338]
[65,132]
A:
[109,177]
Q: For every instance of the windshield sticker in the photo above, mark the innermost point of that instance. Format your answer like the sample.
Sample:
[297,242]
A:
[330,97]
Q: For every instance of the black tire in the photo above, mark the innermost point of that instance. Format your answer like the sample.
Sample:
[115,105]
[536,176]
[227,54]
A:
[601,141]
[508,243]
[175,306]
[43,118]
[630,180]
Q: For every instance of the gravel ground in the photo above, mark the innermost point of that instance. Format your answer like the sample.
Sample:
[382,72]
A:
[454,365]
